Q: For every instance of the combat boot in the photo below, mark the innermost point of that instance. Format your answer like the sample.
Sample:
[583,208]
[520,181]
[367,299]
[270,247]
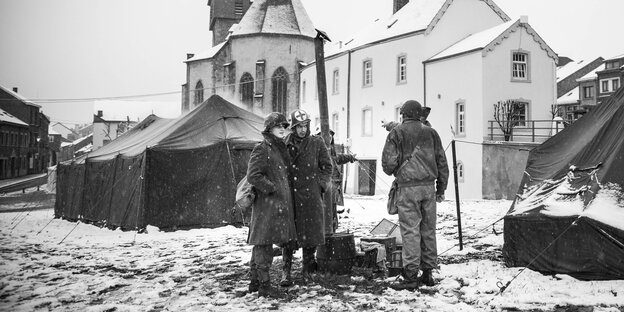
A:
[254,283]
[268,291]
[409,281]
[427,278]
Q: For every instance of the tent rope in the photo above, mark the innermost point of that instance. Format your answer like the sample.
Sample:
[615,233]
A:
[75,226]
[504,287]
[473,235]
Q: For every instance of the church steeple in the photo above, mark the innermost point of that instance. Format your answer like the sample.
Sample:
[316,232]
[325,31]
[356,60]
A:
[224,14]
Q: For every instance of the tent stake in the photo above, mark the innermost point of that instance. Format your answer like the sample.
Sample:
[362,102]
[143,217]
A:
[459,228]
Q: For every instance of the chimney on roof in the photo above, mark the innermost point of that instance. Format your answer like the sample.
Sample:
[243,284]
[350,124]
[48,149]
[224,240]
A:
[398,4]
[15,89]
[524,19]
[100,114]
[189,55]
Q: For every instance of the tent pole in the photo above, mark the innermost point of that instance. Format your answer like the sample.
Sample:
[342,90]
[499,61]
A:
[459,227]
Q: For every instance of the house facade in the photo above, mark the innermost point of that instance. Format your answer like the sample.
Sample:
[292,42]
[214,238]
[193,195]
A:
[23,136]
[257,65]
[457,57]
[610,77]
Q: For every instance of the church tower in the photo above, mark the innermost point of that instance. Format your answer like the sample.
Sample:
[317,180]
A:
[224,14]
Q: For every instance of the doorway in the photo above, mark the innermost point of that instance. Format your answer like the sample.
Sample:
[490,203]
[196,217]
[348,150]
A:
[367,173]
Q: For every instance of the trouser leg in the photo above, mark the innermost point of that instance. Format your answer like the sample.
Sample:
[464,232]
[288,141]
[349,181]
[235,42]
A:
[309,261]
[428,243]
[287,257]
[263,258]
[409,204]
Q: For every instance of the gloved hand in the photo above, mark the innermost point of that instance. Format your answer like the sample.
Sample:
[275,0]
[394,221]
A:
[440,198]
[352,158]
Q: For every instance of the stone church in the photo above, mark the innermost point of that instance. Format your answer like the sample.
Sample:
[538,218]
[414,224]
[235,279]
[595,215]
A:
[258,51]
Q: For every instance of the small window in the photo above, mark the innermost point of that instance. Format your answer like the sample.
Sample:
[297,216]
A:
[521,116]
[460,171]
[367,122]
[588,92]
[520,66]
[615,84]
[335,124]
[397,113]
[460,118]
[605,86]
[367,68]
[335,82]
[402,69]
[238,8]
[303,91]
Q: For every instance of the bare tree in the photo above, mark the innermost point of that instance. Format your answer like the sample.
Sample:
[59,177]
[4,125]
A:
[506,114]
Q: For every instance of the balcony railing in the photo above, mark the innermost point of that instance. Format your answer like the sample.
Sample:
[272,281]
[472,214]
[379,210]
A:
[527,130]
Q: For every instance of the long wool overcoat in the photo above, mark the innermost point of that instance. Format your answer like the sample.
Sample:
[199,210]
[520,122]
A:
[272,217]
[310,175]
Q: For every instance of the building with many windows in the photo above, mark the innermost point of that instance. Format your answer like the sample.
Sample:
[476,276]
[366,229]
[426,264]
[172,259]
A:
[23,136]
[457,57]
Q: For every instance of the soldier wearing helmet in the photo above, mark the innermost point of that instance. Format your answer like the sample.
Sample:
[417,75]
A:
[310,173]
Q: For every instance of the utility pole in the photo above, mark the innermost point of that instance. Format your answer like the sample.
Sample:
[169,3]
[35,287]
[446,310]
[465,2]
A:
[319,42]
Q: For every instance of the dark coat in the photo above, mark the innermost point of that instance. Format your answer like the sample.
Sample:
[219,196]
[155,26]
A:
[272,217]
[310,175]
[338,160]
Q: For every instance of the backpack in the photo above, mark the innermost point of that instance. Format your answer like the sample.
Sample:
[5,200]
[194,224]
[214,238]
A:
[245,194]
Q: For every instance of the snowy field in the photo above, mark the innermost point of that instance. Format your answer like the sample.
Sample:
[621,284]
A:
[48,264]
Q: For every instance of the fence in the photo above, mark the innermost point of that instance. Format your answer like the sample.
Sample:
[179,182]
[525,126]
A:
[527,130]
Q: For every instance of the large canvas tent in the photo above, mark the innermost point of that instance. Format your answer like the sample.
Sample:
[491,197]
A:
[568,215]
[169,173]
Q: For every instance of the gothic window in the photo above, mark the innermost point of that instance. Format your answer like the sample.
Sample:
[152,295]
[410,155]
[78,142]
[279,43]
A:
[279,88]
[247,89]
[199,93]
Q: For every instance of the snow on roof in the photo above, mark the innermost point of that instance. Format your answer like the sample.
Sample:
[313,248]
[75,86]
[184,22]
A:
[571,97]
[414,16]
[6,117]
[117,110]
[615,57]
[51,131]
[76,141]
[276,17]
[207,54]
[569,69]
[18,96]
[475,41]
[591,75]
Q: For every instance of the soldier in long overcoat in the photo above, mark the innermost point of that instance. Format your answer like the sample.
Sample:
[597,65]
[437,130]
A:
[272,218]
[310,175]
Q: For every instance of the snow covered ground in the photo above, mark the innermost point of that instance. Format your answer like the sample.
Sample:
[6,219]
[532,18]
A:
[48,264]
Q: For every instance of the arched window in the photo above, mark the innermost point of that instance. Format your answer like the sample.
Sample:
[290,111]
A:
[279,86]
[199,93]
[247,89]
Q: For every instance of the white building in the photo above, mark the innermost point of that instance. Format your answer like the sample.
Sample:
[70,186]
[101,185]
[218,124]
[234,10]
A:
[457,57]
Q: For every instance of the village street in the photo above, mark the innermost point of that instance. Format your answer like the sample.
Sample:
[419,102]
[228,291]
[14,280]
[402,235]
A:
[49,264]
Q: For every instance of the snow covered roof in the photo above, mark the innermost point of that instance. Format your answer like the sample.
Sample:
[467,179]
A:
[566,70]
[475,41]
[488,39]
[207,54]
[51,131]
[415,16]
[18,96]
[284,17]
[117,110]
[6,117]
[571,97]
[591,75]
[615,57]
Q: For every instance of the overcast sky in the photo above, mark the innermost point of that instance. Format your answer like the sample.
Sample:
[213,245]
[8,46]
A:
[82,49]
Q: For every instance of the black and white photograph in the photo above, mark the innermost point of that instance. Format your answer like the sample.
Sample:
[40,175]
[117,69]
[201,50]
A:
[311,155]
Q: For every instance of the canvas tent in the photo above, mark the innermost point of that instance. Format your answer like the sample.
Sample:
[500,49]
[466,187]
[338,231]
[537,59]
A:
[169,173]
[568,215]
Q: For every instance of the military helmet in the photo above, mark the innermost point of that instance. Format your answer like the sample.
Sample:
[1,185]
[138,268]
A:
[298,117]
[411,109]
